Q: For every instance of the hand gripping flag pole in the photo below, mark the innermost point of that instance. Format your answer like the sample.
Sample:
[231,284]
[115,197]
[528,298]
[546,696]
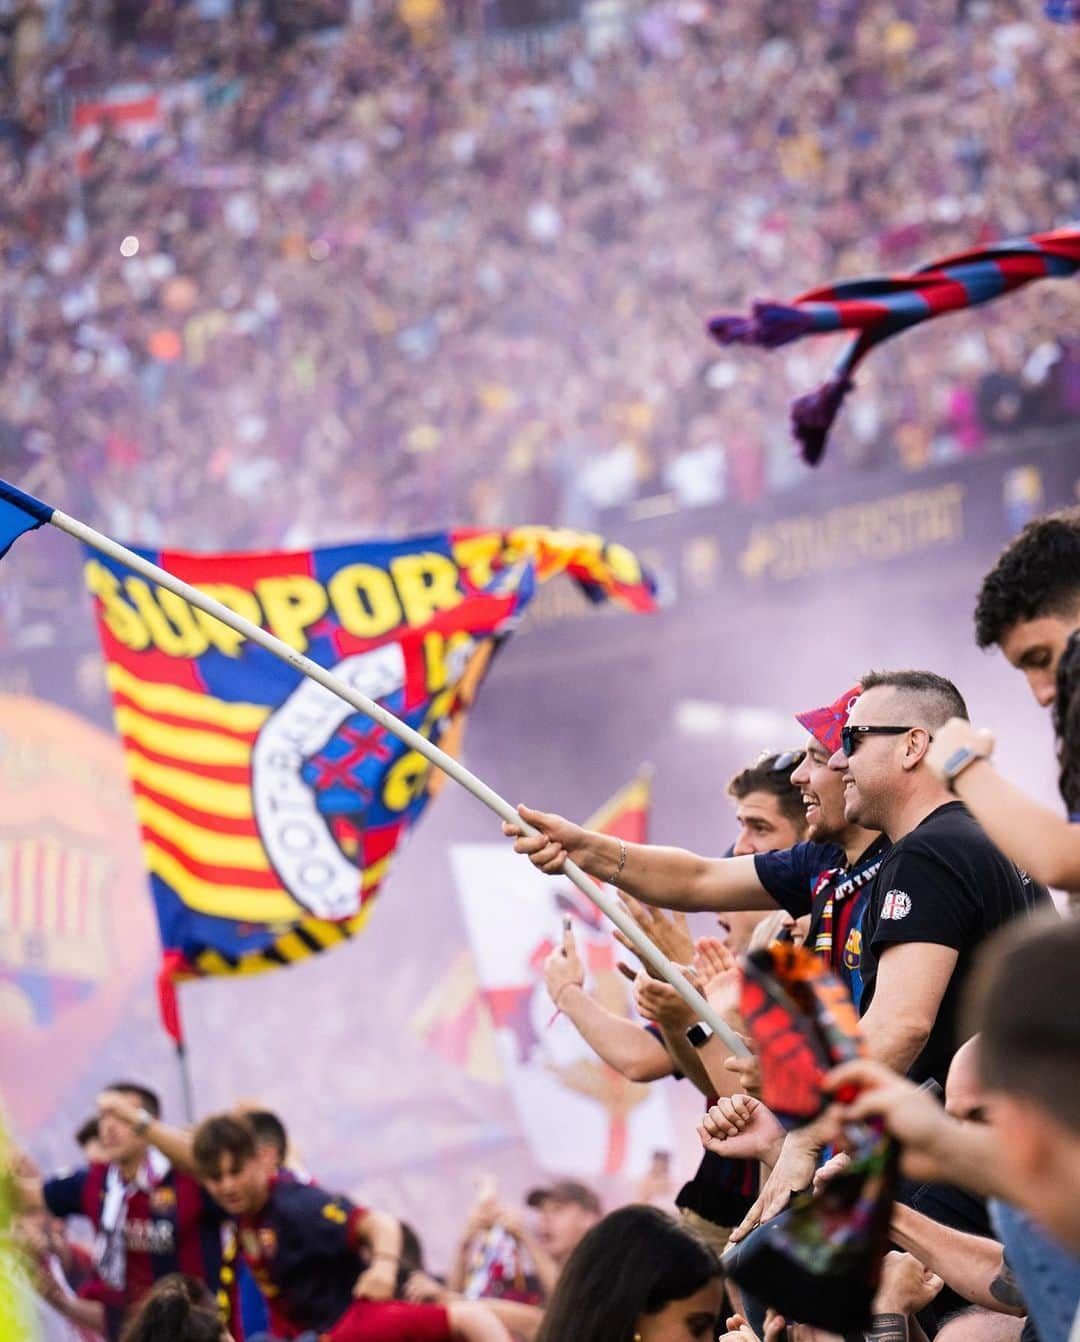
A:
[21,512]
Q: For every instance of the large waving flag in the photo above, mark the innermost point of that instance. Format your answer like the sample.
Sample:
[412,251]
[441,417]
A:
[269,808]
[411,625]
[878,307]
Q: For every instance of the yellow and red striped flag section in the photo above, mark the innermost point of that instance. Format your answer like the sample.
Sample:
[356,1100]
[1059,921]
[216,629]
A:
[626,815]
[269,808]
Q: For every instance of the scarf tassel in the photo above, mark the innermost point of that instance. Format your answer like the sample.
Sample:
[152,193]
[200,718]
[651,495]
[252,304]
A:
[769,326]
[812,416]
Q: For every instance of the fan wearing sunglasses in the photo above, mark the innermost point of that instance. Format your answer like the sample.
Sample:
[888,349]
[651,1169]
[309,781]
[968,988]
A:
[943,886]
[940,891]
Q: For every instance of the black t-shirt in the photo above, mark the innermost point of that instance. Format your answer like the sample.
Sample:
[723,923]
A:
[944,883]
[722,1190]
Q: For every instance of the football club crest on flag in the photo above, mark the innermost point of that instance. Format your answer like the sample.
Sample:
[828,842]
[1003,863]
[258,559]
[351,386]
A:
[269,808]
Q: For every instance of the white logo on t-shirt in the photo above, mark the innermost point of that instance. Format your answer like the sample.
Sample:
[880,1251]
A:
[896,905]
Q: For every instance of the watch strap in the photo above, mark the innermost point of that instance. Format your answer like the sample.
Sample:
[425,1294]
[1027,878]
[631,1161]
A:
[962,758]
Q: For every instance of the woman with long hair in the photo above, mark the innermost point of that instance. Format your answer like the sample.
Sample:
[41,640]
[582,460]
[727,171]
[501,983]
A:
[637,1276]
[1043,843]
[178,1309]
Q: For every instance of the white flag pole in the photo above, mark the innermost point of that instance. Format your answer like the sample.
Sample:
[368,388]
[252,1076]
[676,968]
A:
[457,771]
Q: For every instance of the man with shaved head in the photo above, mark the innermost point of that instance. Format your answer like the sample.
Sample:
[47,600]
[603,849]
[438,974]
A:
[940,891]
[942,888]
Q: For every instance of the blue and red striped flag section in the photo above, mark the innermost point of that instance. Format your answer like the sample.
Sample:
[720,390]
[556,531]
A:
[883,306]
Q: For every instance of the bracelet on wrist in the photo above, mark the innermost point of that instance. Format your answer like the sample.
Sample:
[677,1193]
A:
[622,863]
[888,1326]
[558,996]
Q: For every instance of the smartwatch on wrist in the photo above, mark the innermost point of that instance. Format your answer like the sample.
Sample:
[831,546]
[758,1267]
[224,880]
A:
[698,1034]
[958,761]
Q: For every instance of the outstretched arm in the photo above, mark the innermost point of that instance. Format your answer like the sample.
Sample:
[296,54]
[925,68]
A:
[672,878]
[1043,843]
[972,1265]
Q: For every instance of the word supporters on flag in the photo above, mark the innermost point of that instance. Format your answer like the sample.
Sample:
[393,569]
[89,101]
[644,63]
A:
[269,808]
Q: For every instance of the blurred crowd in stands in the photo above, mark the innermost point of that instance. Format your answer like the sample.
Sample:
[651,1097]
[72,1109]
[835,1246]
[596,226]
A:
[280,274]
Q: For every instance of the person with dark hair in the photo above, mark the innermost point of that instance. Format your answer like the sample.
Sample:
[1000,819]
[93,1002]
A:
[637,1276]
[826,877]
[769,807]
[88,1140]
[767,870]
[143,1096]
[1035,837]
[324,1265]
[1029,602]
[271,1147]
[178,1309]
[151,1218]
[721,1190]
[1023,1003]
[271,1138]
[1067,726]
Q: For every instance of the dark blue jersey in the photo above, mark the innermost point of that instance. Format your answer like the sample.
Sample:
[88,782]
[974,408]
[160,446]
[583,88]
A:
[303,1251]
[814,879]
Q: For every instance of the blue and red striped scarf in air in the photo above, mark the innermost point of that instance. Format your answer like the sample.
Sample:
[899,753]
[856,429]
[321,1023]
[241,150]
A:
[883,306]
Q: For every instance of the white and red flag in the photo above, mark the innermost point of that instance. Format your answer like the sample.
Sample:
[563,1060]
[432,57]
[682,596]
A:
[578,1115]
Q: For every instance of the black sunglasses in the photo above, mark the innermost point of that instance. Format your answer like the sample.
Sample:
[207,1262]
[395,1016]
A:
[850,736]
